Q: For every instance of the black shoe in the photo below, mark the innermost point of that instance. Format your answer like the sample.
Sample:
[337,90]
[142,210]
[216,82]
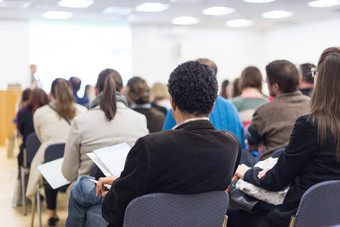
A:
[52,221]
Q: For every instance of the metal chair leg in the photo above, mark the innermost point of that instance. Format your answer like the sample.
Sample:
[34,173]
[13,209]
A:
[225,221]
[33,212]
[23,191]
[39,206]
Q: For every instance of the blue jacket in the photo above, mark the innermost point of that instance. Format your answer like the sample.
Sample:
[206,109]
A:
[224,117]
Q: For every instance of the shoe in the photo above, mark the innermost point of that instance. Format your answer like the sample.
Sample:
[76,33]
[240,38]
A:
[52,221]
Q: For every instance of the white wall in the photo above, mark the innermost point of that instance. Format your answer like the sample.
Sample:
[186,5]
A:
[14,62]
[301,43]
[158,50]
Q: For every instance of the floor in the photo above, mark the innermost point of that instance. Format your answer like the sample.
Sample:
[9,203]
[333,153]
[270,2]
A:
[13,216]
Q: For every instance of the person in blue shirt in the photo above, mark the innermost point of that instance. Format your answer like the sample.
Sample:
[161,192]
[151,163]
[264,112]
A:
[75,83]
[224,115]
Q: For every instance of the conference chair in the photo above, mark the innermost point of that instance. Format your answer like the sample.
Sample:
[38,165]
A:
[319,206]
[52,152]
[161,209]
[32,146]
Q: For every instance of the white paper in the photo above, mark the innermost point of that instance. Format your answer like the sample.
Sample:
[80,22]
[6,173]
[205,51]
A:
[113,157]
[99,163]
[51,171]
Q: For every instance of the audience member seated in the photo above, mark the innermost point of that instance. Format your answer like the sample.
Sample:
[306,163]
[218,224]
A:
[273,122]
[224,115]
[52,123]
[160,97]
[192,158]
[108,123]
[75,83]
[236,88]
[312,155]
[224,89]
[138,95]
[37,98]
[251,94]
[306,82]
[23,101]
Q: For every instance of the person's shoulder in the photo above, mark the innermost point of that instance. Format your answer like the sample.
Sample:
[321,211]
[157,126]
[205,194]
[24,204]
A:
[80,108]
[43,110]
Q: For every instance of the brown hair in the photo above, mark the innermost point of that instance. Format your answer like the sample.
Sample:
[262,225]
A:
[37,98]
[138,91]
[209,63]
[251,77]
[325,102]
[102,76]
[108,99]
[64,99]
[236,88]
[285,74]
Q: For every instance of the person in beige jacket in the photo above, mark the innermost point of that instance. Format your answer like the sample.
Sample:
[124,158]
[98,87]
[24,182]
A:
[108,122]
[52,124]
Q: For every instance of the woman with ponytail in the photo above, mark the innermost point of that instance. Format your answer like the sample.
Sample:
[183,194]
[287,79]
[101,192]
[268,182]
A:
[312,155]
[52,124]
[108,122]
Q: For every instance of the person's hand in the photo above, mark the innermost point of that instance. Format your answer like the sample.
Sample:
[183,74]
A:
[262,173]
[100,186]
[241,170]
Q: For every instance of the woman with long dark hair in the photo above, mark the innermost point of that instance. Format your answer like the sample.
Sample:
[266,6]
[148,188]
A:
[51,124]
[312,155]
[36,99]
[108,122]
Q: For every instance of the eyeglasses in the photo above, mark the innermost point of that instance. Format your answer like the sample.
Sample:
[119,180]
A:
[313,71]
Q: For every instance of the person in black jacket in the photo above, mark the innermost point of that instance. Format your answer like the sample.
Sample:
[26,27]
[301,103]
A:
[192,158]
[312,155]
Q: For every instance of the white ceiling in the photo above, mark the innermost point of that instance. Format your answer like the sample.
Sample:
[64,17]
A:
[251,11]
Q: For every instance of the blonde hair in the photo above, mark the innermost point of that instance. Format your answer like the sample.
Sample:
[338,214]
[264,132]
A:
[159,91]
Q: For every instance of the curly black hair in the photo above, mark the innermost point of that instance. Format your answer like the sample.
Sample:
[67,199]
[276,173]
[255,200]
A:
[193,87]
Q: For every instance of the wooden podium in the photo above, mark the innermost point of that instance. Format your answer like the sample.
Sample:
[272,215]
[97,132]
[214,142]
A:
[8,100]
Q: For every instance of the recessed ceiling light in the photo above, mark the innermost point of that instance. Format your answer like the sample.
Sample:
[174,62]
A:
[152,7]
[185,20]
[57,15]
[277,14]
[239,23]
[15,4]
[218,10]
[75,3]
[259,1]
[115,10]
[324,3]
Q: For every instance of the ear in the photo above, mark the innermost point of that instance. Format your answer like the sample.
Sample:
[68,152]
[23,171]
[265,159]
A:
[96,91]
[276,88]
[173,105]
[122,91]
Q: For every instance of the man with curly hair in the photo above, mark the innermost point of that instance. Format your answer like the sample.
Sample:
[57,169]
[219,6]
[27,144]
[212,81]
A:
[191,158]
[224,115]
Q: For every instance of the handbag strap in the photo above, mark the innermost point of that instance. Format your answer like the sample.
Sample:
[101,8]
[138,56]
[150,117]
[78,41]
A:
[52,107]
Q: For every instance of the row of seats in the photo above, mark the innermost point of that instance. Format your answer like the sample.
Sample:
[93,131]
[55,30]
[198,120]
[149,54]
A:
[318,206]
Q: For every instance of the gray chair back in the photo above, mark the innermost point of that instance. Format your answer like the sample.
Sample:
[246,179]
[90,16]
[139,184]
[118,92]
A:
[161,209]
[54,151]
[32,146]
[319,205]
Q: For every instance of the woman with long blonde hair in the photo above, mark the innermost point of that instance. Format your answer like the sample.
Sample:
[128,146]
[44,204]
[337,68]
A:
[52,124]
[312,155]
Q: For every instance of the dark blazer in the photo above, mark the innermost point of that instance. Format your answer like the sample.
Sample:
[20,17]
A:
[302,164]
[193,158]
[154,118]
